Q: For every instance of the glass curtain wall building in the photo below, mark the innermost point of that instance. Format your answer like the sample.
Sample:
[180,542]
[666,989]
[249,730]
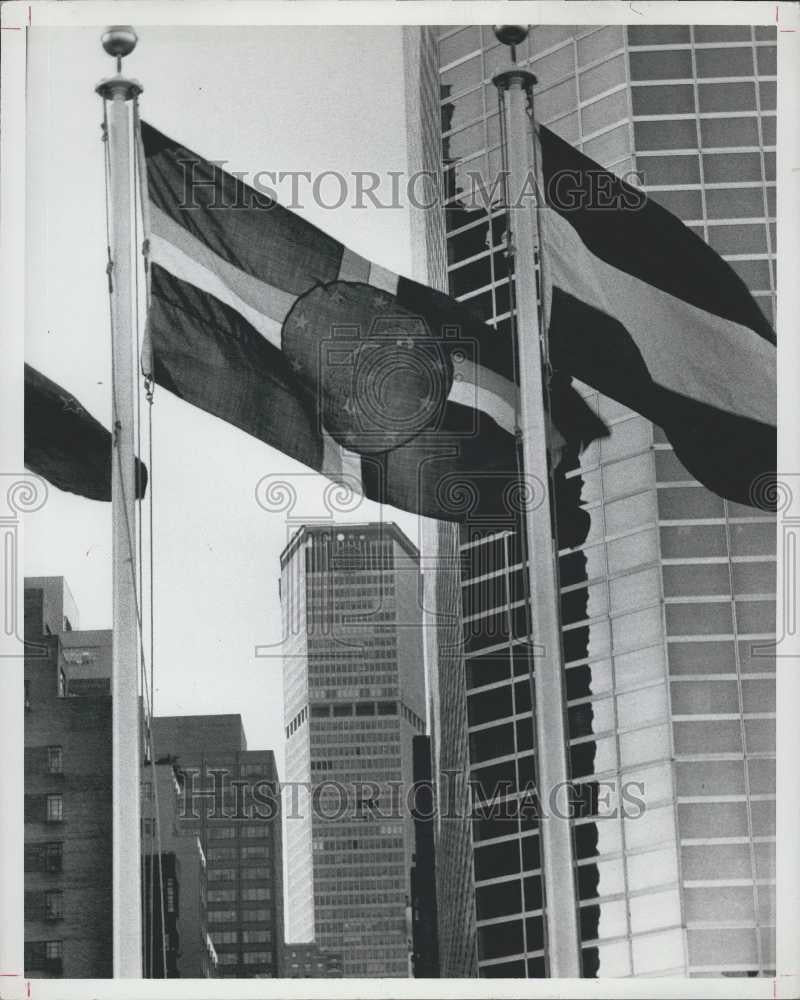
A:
[666,589]
[354,698]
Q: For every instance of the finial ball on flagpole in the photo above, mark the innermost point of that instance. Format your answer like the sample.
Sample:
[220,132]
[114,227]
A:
[511,34]
[119,40]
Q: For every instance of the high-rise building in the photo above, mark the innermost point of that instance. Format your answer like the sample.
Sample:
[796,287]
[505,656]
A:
[229,797]
[68,823]
[666,589]
[354,698]
[67,789]
[175,885]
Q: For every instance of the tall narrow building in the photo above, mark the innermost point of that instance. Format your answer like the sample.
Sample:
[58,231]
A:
[354,698]
[175,883]
[229,796]
[667,591]
[67,788]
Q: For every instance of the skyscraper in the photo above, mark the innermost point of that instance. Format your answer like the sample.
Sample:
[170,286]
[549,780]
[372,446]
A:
[666,590]
[229,797]
[354,698]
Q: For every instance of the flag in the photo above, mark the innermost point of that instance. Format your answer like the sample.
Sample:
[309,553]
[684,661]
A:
[65,444]
[642,309]
[372,379]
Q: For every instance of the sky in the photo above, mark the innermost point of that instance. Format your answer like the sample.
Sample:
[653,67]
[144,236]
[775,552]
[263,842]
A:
[261,98]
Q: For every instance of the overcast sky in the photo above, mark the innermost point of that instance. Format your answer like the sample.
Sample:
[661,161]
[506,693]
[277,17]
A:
[262,98]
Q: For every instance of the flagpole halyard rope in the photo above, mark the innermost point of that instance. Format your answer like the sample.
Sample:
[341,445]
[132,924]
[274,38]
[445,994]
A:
[561,934]
[147,690]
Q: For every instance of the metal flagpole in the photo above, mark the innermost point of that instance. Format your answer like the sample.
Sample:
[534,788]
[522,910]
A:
[515,87]
[126,746]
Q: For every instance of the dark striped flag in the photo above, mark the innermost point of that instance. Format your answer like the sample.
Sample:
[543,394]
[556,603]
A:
[643,310]
[65,444]
[263,320]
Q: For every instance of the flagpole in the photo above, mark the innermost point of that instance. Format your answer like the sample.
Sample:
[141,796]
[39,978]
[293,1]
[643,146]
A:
[119,91]
[515,89]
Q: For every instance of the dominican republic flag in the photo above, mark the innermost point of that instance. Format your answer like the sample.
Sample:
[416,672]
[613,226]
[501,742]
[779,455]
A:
[643,310]
[65,444]
[374,380]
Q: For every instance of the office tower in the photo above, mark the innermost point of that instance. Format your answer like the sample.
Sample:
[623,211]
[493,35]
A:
[455,883]
[307,961]
[353,701]
[665,588]
[67,789]
[423,872]
[229,797]
[175,890]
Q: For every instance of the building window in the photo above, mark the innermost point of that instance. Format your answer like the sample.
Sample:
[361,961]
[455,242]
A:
[55,760]
[251,770]
[221,895]
[55,808]
[221,832]
[53,905]
[171,907]
[256,871]
[53,950]
[52,857]
[256,937]
[256,893]
[147,790]
[256,957]
[221,853]
[226,937]
[44,955]
[222,875]
[255,832]
[256,851]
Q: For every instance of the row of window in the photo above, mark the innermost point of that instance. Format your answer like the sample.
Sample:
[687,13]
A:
[250,852]
[246,958]
[246,937]
[232,916]
[232,874]
[247,893]
[571,45]
[258,832]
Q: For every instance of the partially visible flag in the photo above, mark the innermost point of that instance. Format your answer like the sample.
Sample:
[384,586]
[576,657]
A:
[646,312]
[263,320]
[65,444]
